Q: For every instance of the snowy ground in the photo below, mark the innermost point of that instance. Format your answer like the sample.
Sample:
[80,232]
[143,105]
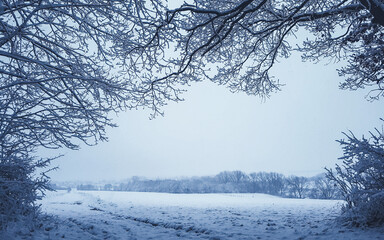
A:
[132,215]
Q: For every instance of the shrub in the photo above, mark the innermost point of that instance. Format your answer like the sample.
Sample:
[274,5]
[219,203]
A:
[361,179]
[20,188]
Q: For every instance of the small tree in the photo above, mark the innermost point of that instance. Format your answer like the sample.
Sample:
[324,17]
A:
[276,183]
[297,186]
[326,188]
[263,182]
[20,188]
[361,178]
[232,177]
[322,187]
[257,182]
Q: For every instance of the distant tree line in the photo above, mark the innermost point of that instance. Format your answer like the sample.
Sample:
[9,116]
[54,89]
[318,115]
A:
[273,183]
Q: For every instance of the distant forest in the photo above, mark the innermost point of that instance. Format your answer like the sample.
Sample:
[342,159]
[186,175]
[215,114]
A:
[318,187]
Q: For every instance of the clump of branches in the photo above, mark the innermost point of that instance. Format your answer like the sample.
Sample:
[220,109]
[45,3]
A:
[20,187]
[237,44]
[360,178]
[59,84]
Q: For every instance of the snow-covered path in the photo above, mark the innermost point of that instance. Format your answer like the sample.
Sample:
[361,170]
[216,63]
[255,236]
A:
[132,215]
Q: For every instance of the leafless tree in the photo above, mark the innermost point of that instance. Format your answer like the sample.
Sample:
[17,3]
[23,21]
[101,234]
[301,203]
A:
[232,177]
[297,186]
[264,182]
[325,188]
[59,81]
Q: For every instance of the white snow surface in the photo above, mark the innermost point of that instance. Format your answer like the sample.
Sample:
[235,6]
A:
[137,215]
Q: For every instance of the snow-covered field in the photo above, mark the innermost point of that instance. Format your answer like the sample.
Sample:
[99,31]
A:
[133,215]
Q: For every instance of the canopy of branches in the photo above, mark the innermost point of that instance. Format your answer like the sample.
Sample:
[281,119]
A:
[236,43]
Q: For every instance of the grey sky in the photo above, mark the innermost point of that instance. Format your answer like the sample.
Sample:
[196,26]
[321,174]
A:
[293,132]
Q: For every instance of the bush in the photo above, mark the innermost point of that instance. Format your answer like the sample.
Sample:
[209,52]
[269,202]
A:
[20,188]
[361,179]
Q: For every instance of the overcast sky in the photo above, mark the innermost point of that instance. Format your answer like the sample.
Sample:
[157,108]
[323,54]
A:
[293,132]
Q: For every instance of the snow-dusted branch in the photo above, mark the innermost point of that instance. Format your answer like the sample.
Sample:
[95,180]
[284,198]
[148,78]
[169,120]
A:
[237,44]
[56,59]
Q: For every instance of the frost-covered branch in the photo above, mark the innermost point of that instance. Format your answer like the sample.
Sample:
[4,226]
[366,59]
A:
[58,67]
[237,44]
[59,83]
[360,178]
